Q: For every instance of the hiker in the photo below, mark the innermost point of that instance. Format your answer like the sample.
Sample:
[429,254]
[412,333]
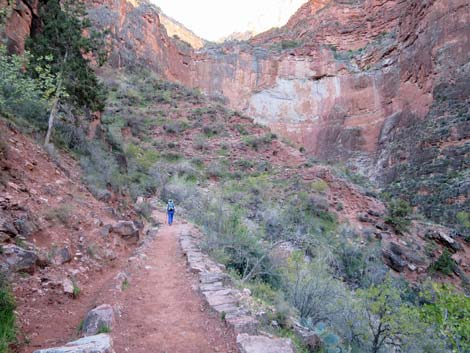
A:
[170,209]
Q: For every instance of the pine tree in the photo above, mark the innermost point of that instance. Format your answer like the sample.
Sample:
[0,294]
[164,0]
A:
[66,34]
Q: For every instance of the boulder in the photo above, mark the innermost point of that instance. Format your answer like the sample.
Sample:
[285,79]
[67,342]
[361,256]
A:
[63,256]
[91,344]
[263,344]
[394,260]
[100,318]
[19,259]
[444,239]
[127,230]
[68,286]
[7,225]
[105,230]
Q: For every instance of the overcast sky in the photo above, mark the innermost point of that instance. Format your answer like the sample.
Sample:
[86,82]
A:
[213,19]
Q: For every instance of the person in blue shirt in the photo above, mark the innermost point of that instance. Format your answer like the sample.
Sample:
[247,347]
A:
[170,209]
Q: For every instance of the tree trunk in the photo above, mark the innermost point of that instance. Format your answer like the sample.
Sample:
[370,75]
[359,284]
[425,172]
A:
[58,92]
[51,121]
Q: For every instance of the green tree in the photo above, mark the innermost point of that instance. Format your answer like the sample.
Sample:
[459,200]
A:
[21,95]
[391,322]
[62,36]
[449,311]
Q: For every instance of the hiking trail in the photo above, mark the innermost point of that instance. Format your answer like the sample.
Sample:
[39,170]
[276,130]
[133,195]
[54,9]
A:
[160,311]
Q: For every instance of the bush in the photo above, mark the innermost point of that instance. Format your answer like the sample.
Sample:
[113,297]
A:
[444,264]
[61,214]
[399,212]
[175,127]
[7,316]
[20,95]
[319,186]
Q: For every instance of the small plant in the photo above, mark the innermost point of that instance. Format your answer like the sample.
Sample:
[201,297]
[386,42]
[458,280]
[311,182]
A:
[444,264]
[124,284]
[319,186]
[399,215]
[80,326]
[76,290]
[61,214]
[103,328]
[223,315]
[7,316]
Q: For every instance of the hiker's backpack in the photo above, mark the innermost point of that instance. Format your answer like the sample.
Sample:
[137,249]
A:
[171,206]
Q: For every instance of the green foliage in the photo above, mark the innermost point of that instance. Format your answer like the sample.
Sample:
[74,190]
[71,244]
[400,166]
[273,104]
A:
[256,142]
[124,284]
[60,214]
[103,329]
[398,217]
[319,186]
[444,264]
[449,311]
[76,290]
[62,38]
[20,95]
[7,316]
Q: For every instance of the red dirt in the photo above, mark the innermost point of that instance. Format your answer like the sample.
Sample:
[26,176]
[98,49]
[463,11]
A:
[160,310]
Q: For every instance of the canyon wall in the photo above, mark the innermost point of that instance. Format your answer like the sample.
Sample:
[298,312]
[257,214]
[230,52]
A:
[382,85]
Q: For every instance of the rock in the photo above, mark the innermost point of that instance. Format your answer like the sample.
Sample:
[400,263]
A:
[101,317]
[105,230]
[444,239]
[127,230]
[309,338]
[104,195]
[263,344]
[63,256]
[68,286]
[7,225]
[374,213]
[92,344]
[393,260]
[19,259]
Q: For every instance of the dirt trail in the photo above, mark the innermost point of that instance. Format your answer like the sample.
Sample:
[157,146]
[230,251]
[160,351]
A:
[160,311]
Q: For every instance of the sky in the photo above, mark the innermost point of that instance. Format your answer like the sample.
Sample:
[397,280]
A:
[214,19]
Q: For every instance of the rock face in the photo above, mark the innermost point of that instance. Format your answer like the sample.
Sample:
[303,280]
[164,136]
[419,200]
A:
[139,38]
[18,26]
[92,344]
[100,318]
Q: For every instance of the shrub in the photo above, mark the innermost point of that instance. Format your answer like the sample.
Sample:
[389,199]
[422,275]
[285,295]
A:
[444,264]
[61,214]
[212,130]
[7,316]
[216,169]
[319,186]
[175,127]
[256,142]
[201,143]
[399,212]
[20,95]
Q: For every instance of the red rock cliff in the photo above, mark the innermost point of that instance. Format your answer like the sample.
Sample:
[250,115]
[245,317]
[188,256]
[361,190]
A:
[340,69]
